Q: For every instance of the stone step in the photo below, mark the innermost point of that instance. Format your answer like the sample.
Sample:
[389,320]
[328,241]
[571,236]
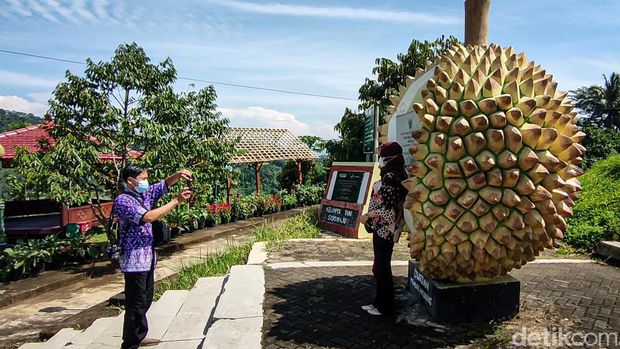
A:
[243,293]
[59,340]
[235,333]
[195,315]
[609,249]
[93,331]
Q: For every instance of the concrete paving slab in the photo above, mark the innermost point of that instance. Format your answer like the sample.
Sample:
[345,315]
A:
[60,339]
[609,249]
[258,255]
[93,331]
[186,344]
[193,318]
[232,334]
[243,293]
[163,312]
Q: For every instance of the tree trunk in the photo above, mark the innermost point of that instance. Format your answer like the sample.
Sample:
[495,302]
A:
[477,22]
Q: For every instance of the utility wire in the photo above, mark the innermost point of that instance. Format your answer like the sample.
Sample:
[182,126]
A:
[191,79]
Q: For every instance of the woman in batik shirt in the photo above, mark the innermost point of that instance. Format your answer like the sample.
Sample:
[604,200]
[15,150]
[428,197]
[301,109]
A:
[383,218]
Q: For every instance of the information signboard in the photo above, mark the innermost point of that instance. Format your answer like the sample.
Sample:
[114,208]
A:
[369,130]
[347,186]
[339,215]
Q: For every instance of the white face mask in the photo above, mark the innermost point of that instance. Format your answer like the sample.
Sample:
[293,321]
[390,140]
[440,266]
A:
[383,161]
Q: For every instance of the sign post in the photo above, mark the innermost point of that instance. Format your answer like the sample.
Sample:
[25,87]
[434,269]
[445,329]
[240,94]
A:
[369,132]
[347,197]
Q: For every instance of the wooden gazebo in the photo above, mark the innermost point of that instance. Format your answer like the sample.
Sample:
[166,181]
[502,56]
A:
[261,145]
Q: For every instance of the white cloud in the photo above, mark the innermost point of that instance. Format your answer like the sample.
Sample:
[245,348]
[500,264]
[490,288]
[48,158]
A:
[339,12]
[607,64]
[20,104]
[9,78]
[75,11]
[255,116]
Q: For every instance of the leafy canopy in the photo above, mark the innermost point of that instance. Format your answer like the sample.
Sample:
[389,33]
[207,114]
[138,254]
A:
[118,111]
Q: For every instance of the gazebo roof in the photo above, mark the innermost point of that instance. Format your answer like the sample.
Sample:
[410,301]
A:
[260,145]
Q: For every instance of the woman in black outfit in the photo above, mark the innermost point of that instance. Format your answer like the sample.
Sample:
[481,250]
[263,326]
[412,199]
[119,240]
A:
[383,217]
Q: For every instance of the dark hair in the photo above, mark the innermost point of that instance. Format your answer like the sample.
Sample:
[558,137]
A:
[132,171]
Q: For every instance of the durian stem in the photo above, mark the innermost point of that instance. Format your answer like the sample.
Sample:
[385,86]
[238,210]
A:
[477,22]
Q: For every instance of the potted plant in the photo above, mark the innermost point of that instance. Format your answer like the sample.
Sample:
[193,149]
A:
[213,216]
[225,212]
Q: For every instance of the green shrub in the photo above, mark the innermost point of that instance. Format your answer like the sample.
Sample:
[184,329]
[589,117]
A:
[596,213]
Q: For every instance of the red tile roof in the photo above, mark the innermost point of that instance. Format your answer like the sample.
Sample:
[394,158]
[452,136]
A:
[27,137]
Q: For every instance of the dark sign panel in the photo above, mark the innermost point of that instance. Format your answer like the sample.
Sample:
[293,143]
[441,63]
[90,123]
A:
[347,186]
[339,215]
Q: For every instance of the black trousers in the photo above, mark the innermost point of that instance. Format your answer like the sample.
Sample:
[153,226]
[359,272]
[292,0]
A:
[382,270]
[138,299]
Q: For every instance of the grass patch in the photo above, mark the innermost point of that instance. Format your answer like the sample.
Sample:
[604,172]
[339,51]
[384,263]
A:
[219,263]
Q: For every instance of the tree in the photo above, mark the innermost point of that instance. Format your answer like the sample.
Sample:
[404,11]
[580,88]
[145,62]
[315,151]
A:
[350,145]
[390,75]
[316,143]
[120,111]
[601,104]
[600,143]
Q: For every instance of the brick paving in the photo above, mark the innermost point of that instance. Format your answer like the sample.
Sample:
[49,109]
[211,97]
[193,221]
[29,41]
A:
[320,307]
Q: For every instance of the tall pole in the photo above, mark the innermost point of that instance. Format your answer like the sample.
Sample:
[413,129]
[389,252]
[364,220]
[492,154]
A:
[477,22]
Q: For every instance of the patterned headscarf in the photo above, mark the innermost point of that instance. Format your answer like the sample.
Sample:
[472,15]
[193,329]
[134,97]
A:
[392,174]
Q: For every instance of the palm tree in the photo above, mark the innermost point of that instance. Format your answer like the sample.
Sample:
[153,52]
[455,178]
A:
[601,104]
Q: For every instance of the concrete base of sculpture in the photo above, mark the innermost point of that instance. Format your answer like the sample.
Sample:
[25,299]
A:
[452,302]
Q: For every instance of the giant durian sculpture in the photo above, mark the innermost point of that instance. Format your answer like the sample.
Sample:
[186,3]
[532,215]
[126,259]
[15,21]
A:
[495,162]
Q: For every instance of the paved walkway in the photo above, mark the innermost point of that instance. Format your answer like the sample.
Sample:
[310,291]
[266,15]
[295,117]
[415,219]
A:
[319,307]
[23,321]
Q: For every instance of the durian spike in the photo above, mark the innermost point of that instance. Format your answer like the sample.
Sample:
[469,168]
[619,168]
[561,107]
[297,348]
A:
[441,225]
[435,162]
[527,105]
[428,122]
[494,177]
[499,75]
[493,248]
[443,123]
[513,75]
[431,211]
[510,198]
[420,135]
[527,159]
[480,207]
[475,143]
[514,139]
[448,251]
[419,151]
[469,166]
[495,140]
[486,160]
[431,107]
[488,105]
[439,197]
[469,107]
[479,238]
[560,144]
[479,122]
[456,91]
[450,108]
[525,186]
[455,186]
[491,88]
[534,219]
[454,211]
[460,127]
[443,79]
[514,116]
[515,221]
[410,79]
[464,249]
[502,235]
[526,88]
[531,134]
[511,177]
[506,160]
[452,170]
[438,142]
[472,90]
[477,181]
[491,195]
[468,198]
[548,136]
[512,89]
[419,109]
[545,207]
[504,102]
[467,223]
[537,173]
[540,194]
[500,212]
[417,169]
[456,149]
[540,85]
[488,223]
[498,119]
[542,101]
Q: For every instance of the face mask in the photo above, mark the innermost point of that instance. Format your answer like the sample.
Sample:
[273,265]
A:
[383,161]
[143,186]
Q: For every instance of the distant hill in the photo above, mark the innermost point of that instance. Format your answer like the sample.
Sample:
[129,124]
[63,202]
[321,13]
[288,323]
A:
[10,120]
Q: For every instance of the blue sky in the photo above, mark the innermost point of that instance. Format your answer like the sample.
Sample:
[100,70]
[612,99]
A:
[321,47]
